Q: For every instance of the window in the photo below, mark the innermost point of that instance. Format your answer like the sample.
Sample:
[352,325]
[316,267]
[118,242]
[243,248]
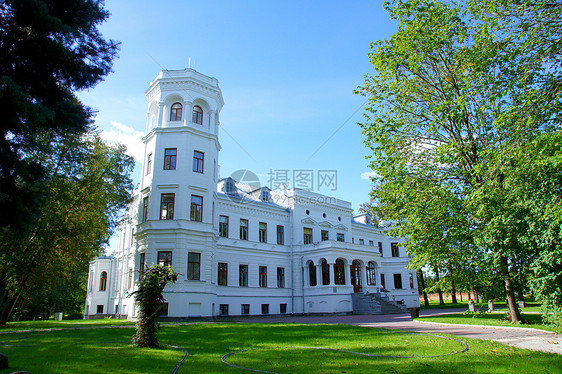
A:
[307,235]
[361,242]
[223,274]
[198,158]
[149,163]
[243,229]
[280,277]
[411,277]
[130,283]
[380,248]
[223,309]
[340,237]
[243,275]
[99,309]
[103,281]
[324,235]
[325,273]
[371,243]
[371,274]
[165,258]
[263,232]
[383,281]
[197,115]
[167,206]
[193,265]
[339,272]
[263,276]
[145,209]
[164,309]
[280,235]
[311,274]
[394,250]
[282,308]
[397,281]
[142,265]
[223,226]
[245,309]
[170,155]
[196,208]
[175,112]
[265,309]
[264,195]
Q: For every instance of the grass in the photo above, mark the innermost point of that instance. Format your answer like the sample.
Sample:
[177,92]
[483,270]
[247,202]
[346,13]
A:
[50,324]
[268,347]
[491,319]
[434,304]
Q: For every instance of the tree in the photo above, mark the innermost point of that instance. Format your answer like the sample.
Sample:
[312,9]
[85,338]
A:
[50,48]
[150,302]
[452,100]
[89,186]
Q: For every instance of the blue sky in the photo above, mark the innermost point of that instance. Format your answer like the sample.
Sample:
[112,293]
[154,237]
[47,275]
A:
[286,69]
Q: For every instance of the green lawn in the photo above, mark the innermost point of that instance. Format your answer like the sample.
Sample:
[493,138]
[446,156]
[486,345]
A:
[490,319]
[270,347]
[50,324]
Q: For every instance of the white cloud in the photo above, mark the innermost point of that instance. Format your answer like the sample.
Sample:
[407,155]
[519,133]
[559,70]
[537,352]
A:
[126,135]
[369,175]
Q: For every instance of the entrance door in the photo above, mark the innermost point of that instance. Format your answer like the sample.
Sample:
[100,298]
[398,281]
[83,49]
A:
[356,275]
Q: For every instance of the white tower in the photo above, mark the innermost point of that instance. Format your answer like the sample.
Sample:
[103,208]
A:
[176,220]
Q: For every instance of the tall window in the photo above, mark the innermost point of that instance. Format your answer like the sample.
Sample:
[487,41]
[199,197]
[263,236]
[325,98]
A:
[197,116]
[243,275]
[394,250]
[263,232]
[339,272]
[130,283]
[243,229]
[371,274]
[311,274]
[198,158]
[340,237]
[411,277]
[103,281]
[380,248]
[223,226]
[325,273]
[398,281]
[280,235]
[145,209]
[149,163]
[383,281]
[280,277]
[324,235]
[170,155]
[165,258]
[175,112]
[167,206]
[223,274]
[307,232]
[371,243]
[361,241]
[196,208]
[263,276]
[142,265]
[193,265]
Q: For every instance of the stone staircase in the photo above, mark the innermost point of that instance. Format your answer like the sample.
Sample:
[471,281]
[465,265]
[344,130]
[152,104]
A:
[375,303]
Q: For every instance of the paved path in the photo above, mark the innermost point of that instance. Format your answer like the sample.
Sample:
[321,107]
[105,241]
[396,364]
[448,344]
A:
[536,340]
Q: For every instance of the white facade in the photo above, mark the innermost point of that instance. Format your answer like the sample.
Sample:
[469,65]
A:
[239,249]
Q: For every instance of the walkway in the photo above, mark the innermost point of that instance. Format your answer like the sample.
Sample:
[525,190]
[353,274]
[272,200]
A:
[536,340]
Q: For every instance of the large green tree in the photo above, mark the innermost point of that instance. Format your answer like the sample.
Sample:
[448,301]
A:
[456,93]
[50,48]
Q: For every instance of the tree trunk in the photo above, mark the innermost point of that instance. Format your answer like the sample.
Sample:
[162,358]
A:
[513,309]
[441,302]
[453,293]
[7,308]
[422,280]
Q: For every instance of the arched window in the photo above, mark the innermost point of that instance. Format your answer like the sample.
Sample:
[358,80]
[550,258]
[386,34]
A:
[311,274]
[197,115]
[371,274]
[175,112]
[103,281]
[339,272]
[325,273]
[356,273]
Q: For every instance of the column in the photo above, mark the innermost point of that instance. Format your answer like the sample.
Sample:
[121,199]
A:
[160,113]
[187,109]
[319,274]
[364,276]
[332,271]
[347,271]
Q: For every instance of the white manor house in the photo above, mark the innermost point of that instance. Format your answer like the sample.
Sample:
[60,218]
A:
[239,249]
